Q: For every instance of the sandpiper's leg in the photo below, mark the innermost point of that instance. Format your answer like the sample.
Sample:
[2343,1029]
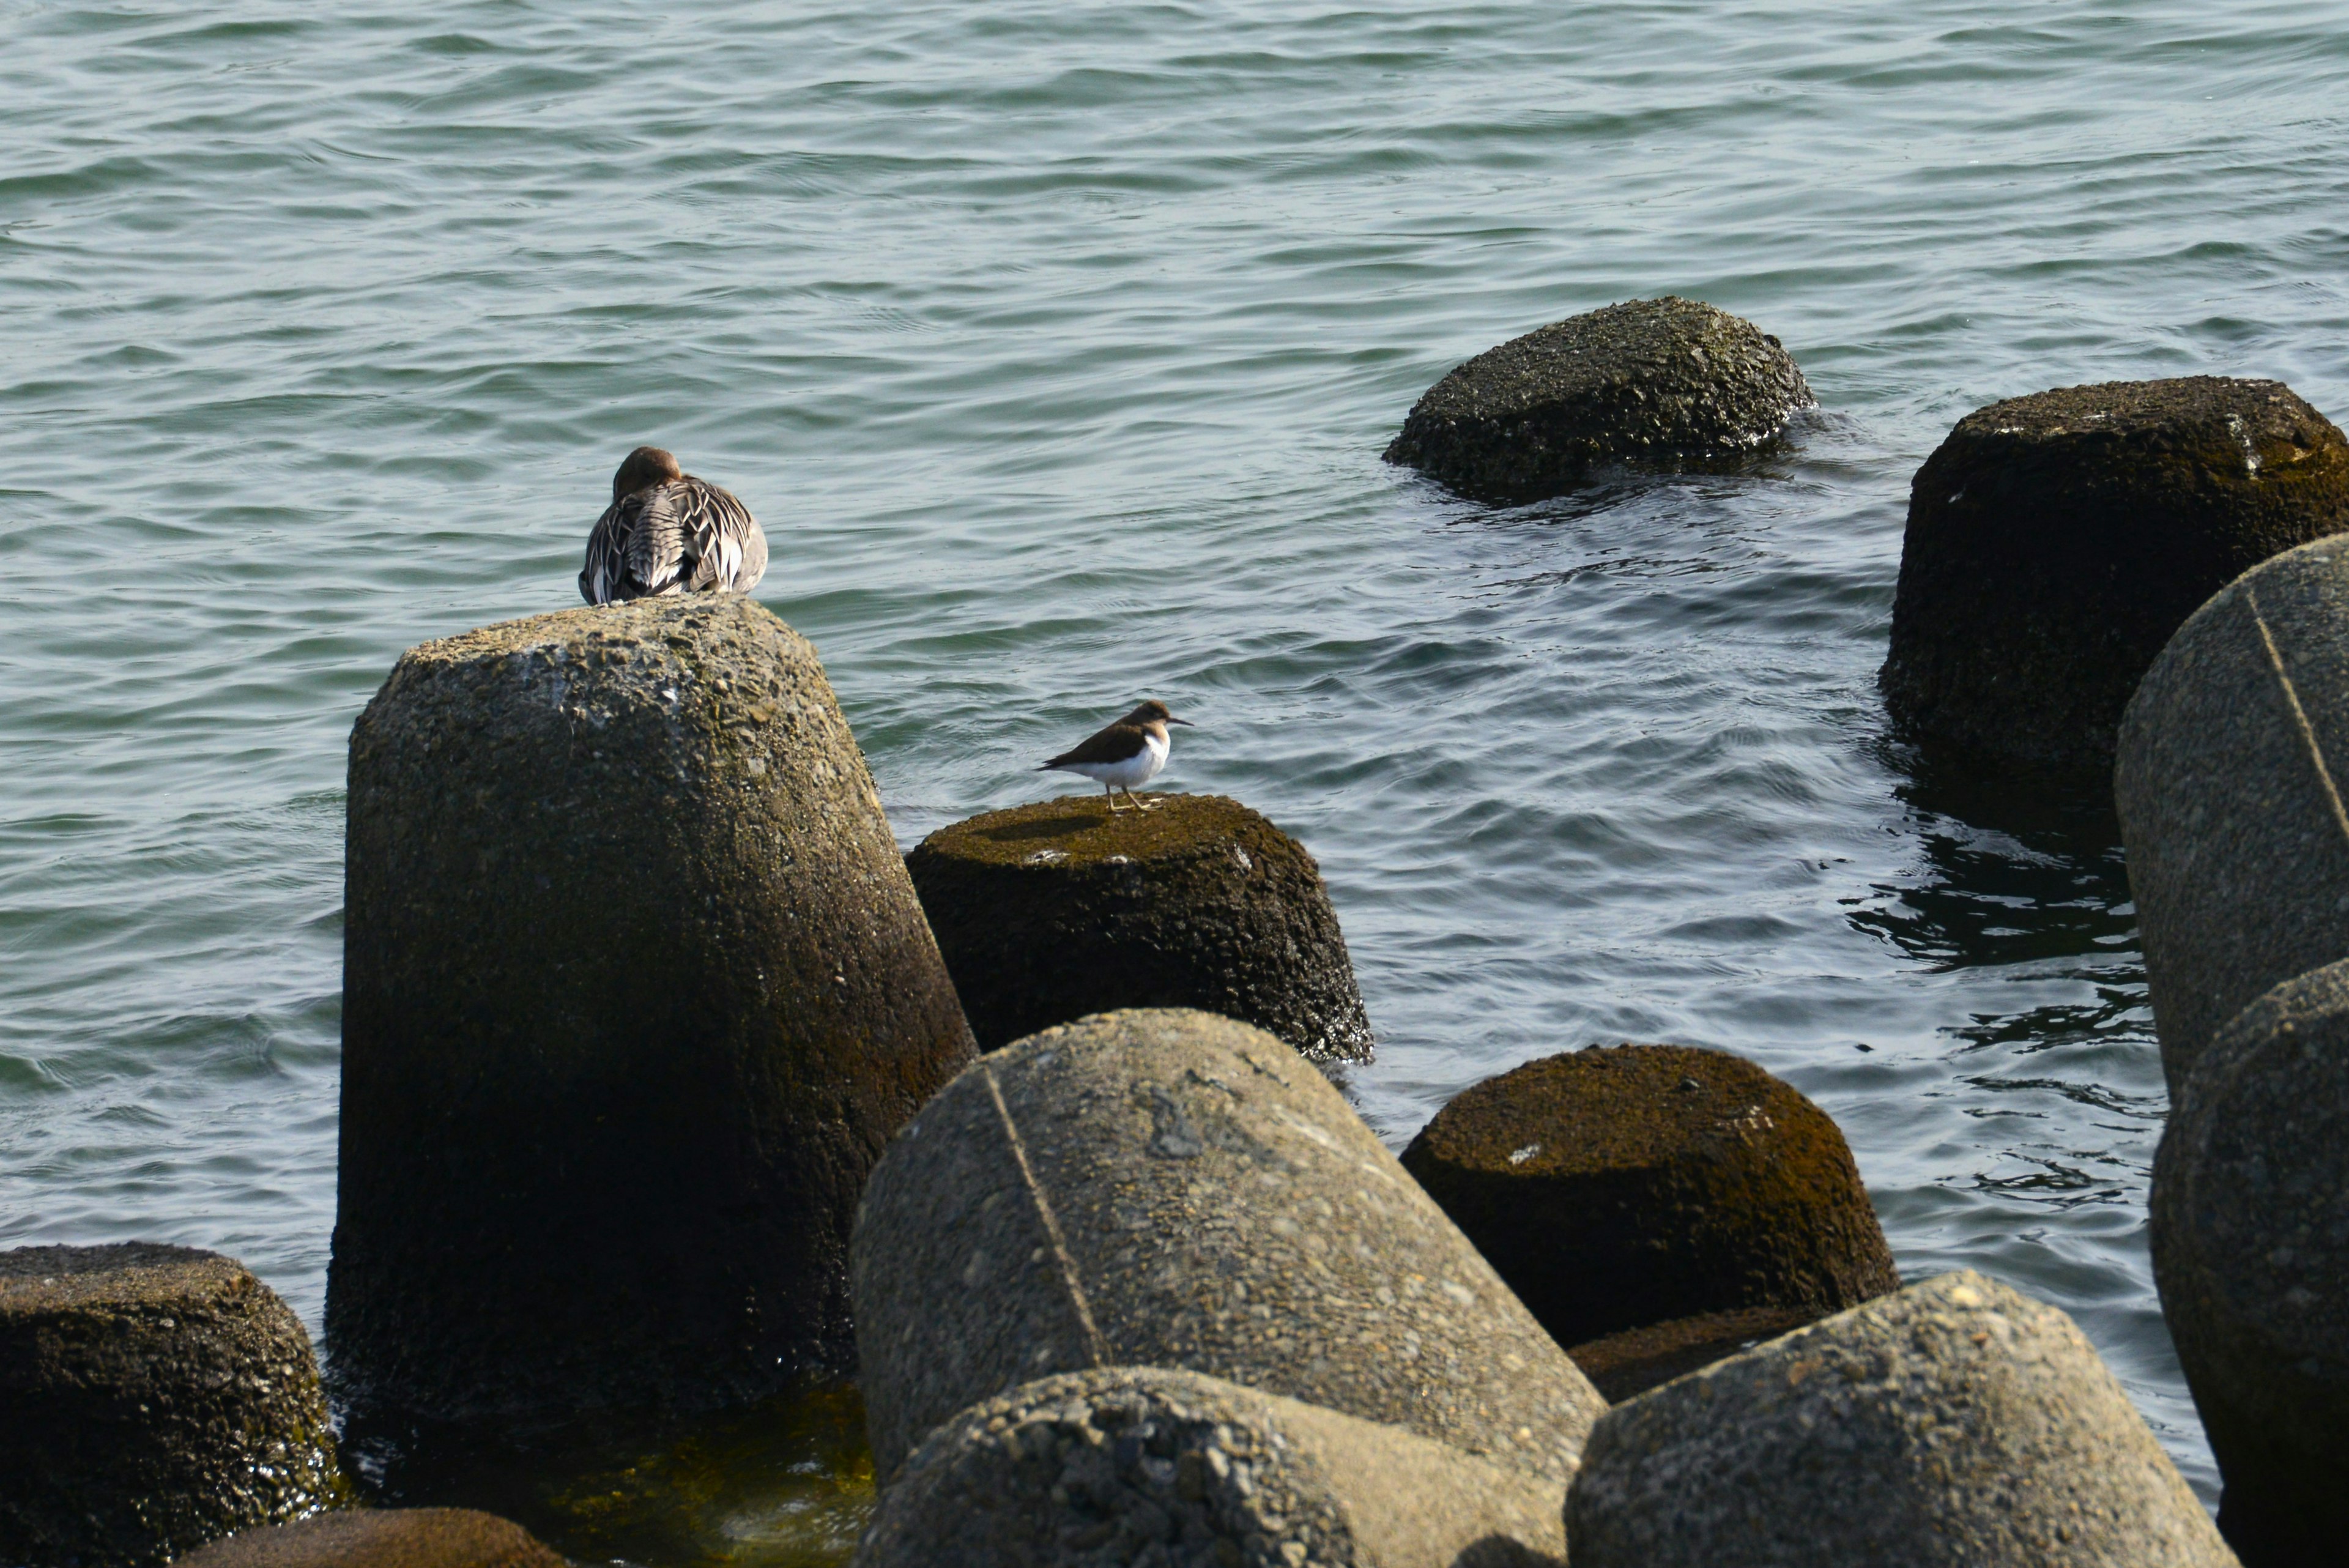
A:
[1138,802]
[1111,791]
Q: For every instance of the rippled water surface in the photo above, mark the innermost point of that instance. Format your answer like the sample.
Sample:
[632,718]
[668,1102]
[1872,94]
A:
[1055,345]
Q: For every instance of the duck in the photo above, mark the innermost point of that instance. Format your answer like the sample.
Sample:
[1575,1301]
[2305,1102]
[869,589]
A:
[667,532]
[1125,753]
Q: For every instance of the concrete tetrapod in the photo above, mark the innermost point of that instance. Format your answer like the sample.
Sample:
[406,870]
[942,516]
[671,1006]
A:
[2056,541]
[1172,1470]
[1669,381]
[151,1398]
[1956,1422]
[2251,1253]
[1619,1187]
[1168,1188]
[2229,785]
[384,1538]
[1051,911]
[635,992]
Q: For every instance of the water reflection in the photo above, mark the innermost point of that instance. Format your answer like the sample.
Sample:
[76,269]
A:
[787,1483]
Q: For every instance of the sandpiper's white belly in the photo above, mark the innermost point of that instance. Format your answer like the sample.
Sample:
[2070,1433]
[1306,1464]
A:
[1134,771]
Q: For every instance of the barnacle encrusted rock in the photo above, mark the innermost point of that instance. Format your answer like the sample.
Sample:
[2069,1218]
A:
[151,1398]
[636,990]
[1629,1185]
[1664,381]
[1142,1465]
[1051,911]
[2228,784]
[2250,1249]
[1955,1423]
[1166,1187]
[2056,541]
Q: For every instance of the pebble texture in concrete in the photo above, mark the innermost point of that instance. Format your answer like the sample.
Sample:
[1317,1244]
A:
[2229,787]
[1051,912]
[1666,380]
[384,1538]
[1957,1422]
[1171,1470]
[2250,1248]
[1627,1185]
[636,990]
[151,1398]
[1168,1188]
[2056,541]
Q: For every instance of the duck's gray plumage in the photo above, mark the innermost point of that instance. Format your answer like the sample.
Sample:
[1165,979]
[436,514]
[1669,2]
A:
[681,535]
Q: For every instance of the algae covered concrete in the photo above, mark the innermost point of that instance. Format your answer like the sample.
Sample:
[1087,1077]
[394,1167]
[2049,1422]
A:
[2229,788]
[384,1538]
[1629,1185]
[1049,911]
[2250,1248]
[2056,542]
[152,1399]
[1665,381]
[1955,1423]
[1166,1187]
[636,990]
[1171,1470]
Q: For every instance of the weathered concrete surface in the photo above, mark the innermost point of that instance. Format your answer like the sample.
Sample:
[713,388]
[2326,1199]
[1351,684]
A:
[1666,380]
[2250,1248]
[636,988]
[1635,1360]
[1166,1187]
[2056,541]
[1622,1185]
[2229,791]
[1140,1464]
[1957,1422]
[151,1398]
[1051,912]
[384,1538]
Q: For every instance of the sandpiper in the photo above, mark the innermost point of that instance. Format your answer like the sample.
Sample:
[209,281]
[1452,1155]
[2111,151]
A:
[667,532]
[1129,752]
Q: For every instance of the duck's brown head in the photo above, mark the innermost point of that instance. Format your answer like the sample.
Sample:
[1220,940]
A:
[643,468]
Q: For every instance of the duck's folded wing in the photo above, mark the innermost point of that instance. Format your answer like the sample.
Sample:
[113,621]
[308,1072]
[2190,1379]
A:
[604,576]
[656,545]
[728,547]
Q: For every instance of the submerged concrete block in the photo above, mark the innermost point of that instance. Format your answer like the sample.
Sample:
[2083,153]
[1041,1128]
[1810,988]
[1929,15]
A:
[151,1398]
[2056,541]
[2230,783]
[1957,1422]
[1168,1470]
[384,1538]
[636,990]
[1668,381]
[1166,1187]
[1051,912]
[2250,1248]
[1624,1186]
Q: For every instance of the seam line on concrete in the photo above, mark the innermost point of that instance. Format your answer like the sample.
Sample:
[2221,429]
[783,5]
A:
[2299,714]
[1094,1346]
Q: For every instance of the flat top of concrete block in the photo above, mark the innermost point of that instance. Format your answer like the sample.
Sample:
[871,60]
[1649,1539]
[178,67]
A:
[633,624]
[1077,831]
[124,1274]
[383,1538]
[2128,409]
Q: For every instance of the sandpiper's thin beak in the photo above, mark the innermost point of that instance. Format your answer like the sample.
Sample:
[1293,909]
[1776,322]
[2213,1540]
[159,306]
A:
[1184,722]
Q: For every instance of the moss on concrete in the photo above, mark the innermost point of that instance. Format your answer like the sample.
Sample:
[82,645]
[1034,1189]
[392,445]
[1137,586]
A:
[385,1538]
[1051,911]
[151,1398]
[1660,381]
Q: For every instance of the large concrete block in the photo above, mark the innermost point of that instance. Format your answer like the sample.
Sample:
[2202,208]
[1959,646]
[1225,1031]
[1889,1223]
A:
[2229,792]
[1166,1187]
[1172,1470]
[1954,1423]
[1666,382]
[151,1398]
[636,990]
[2250,1248]
[1051,912]
[1623,1186]
[384,1538]
[2056,541]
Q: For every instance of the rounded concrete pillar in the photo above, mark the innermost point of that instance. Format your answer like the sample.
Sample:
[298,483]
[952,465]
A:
[635,992]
